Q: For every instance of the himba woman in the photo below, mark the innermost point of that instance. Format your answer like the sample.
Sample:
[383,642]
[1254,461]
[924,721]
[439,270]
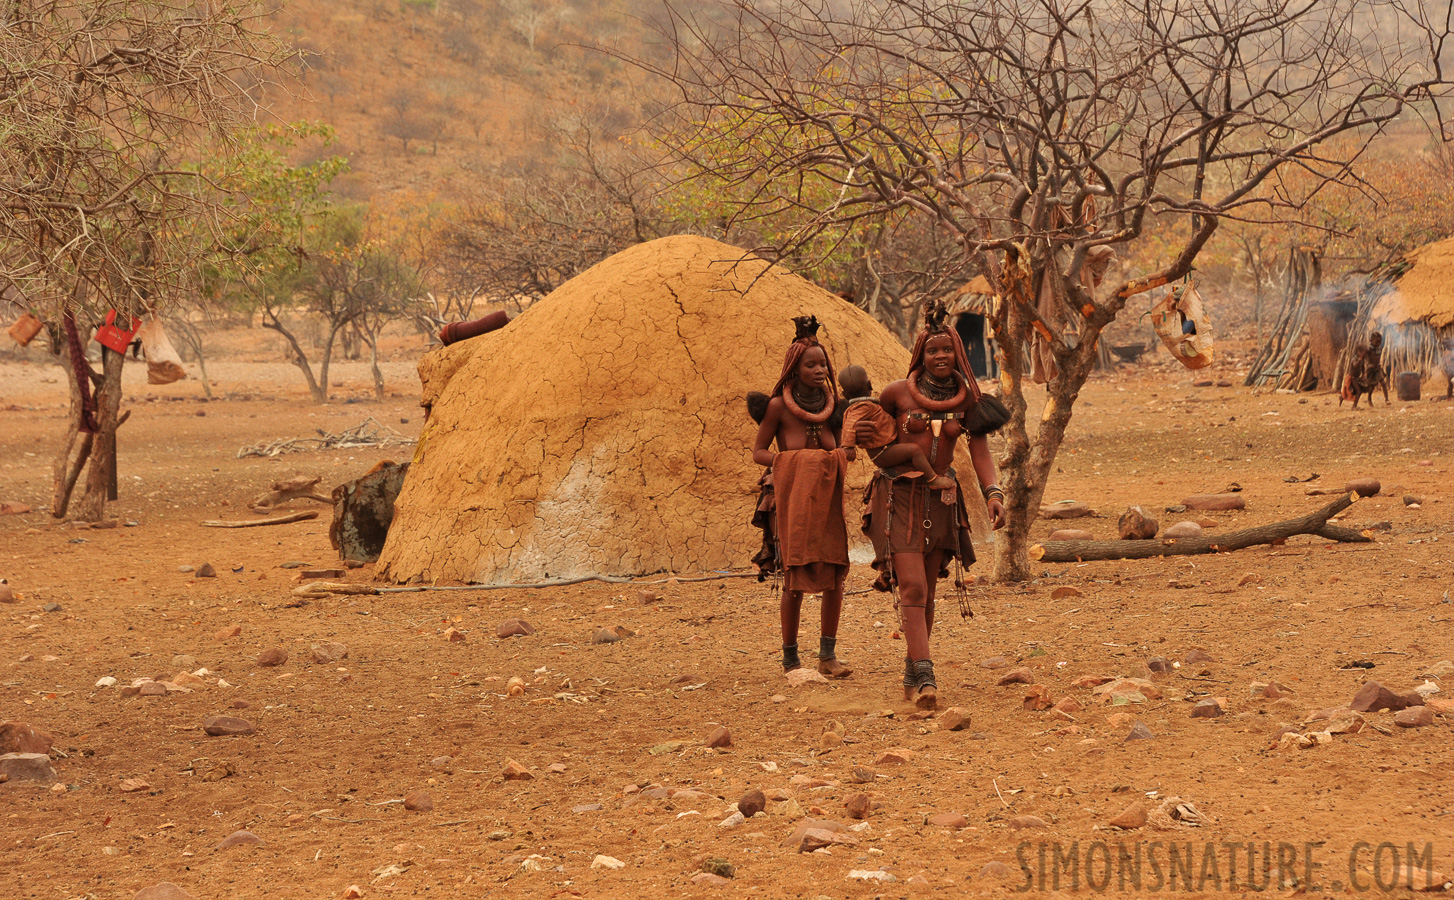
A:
[801,506]
[917,531]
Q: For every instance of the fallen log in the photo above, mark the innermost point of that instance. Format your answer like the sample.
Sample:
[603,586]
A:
[299,488]
[253,523]
[324,588]
[1275,532]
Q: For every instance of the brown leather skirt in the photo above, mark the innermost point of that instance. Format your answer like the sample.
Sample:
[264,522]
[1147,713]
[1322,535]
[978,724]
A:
[902,515]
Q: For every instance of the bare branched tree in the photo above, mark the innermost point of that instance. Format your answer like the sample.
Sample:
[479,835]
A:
[1041,133]
[102,104]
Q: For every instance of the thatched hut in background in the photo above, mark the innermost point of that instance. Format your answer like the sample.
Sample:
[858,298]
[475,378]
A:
[1416,317]
[971,309]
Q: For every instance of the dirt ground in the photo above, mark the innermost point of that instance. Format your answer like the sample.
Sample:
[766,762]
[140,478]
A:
[609,731]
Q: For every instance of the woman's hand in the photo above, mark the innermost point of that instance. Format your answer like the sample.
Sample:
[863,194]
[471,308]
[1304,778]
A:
[863,433]
[997,512]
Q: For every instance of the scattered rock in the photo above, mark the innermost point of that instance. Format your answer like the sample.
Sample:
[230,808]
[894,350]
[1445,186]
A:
[1374,697]
[646,596]
[206,571]
[605,636]
[241,704]
[513,628]
[319,574]
[831,740]
[1066,509]
[896,757]
[877,875]
[164,891]
[1065,591]
[454,635]
[1070,534]
[1019,822]
[153,689]
[707,879]
[52,607]
[994,662]
[1020,675]
[1206,709]
[752,803]
[949,820]
[1136,524]
[352,892]
[718,866]
[240,839]
[1091,681]
[230,632]
[1068,706]
[328,652]
[1037,698]
[1128,690]
[26,767]
[1182,530]
[227,726]
[587,807]
[1215,502]
[1159,665]
[7,594]
[272,657]
[186,570]
[1292,740]
[804,675]
[1197,657]
[17,737]
[603,861]
[1363,487]
[1414,717]
[1139,732]
[516,772]
[858,805]
[133,785]
[996,869]
[1133,816]
[419,801]
[861,775]
[1413,500]
[720,737]
[1346,721]
[818,838]
[955,718]
[184,662]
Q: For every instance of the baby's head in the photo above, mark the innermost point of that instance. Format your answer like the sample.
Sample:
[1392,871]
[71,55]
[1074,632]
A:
[855,383]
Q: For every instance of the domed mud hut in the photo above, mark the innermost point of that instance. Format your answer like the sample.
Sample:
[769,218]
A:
[605,431]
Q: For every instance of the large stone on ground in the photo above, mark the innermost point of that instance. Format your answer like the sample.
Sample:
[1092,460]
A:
[1070,534]
[228,726]
[1374,697]
[1136,524]
[17,737]
[27,767]
[1215,502]
[1182,531]
[363,510]
[519,474]
[1066,509]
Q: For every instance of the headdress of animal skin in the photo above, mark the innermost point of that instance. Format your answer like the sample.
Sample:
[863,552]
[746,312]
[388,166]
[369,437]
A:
[807,327]
[935,314]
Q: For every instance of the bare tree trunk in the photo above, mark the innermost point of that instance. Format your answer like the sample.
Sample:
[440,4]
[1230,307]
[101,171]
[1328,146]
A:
[373,339]
[1012,560]
[322,395]
[300,359]
[71,458]
[91,507]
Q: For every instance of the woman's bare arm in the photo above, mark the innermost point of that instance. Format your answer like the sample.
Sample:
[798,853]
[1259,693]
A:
[762,453]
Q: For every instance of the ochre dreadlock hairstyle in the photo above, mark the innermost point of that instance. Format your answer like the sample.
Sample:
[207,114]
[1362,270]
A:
[806,336]
[936,317]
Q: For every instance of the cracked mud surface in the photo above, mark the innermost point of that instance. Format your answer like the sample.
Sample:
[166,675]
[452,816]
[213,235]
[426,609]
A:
[329,749]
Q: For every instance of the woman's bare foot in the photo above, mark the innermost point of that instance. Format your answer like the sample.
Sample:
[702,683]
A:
[833,668]
[925,692]
[941,483]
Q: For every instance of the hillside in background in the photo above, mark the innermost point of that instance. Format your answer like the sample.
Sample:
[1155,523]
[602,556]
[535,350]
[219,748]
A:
[429,96]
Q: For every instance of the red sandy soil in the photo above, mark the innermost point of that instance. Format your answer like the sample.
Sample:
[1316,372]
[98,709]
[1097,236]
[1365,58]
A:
[337,743]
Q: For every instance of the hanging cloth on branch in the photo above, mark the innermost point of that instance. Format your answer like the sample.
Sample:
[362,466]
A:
[163,363]
[81,371]
[1184,326]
